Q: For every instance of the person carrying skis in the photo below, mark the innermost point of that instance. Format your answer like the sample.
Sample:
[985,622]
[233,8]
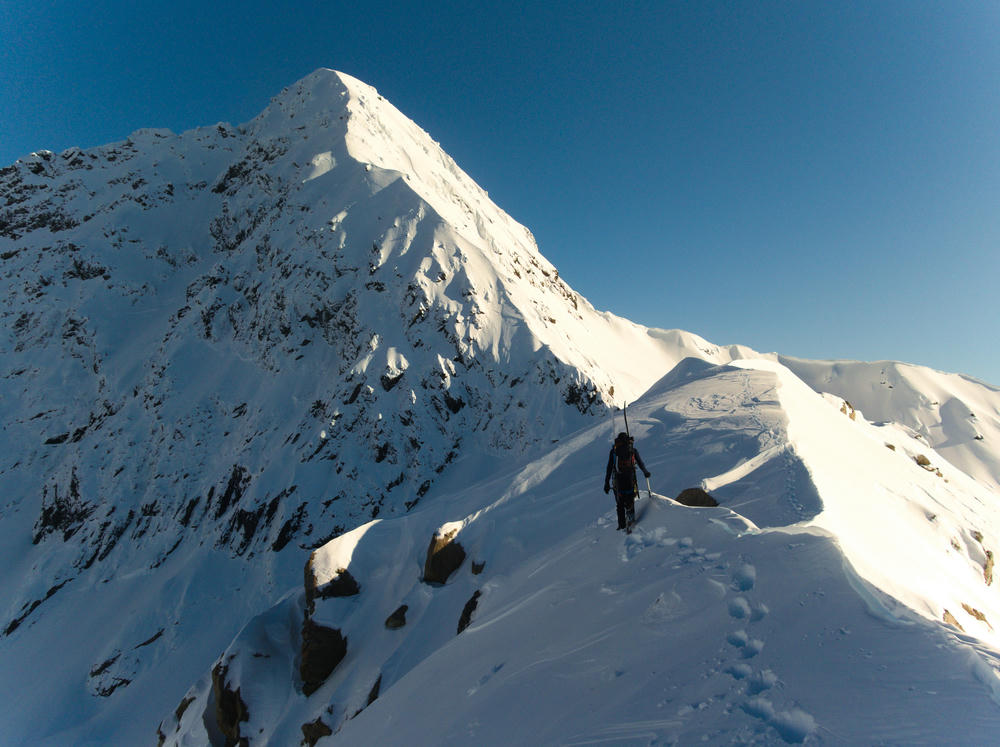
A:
[621,463]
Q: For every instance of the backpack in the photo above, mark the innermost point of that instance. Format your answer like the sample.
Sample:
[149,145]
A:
[624,455]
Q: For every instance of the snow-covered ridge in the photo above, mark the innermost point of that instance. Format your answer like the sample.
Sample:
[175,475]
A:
[228,345]
[955,414]
[841,594]
[222,348]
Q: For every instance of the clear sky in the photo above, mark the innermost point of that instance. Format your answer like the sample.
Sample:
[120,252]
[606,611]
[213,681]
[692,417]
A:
[820,179]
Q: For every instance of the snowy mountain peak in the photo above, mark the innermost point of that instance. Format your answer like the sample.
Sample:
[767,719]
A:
[274,332]
[339,117]
[225,347]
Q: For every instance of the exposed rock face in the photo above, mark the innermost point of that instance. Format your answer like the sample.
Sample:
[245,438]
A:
[973,612]
[696,497]
[444,557]
[230,710]
[950,619]
[323,649]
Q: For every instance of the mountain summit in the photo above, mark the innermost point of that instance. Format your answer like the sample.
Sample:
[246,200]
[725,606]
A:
[228,348]
[318,307]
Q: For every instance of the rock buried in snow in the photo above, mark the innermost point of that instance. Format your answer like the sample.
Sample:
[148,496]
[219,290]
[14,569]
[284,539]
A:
[342,585]
[397,619]
[373,693]
[322,650]
[470,607]
[696,497]
[444,556]
[314,731]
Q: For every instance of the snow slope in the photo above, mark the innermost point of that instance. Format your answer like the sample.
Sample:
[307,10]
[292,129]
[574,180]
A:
[809,607]
[956,414]
[222,348]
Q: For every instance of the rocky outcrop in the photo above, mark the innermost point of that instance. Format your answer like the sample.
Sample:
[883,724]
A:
[973,612]
[323,649]
[696,497]
[444,557]
[950,619]
[230,710]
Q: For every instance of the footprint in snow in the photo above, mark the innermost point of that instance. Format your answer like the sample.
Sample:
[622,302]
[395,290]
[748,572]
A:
[763,680]
[793,726]
[738,638]
[739,608]
[739,671]
[484,679]
[753,647]
[745,577]
[639,539]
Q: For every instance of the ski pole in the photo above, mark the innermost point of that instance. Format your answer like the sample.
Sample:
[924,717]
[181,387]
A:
[649,489]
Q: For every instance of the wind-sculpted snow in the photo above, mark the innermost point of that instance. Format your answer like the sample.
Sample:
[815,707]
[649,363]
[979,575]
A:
[762,621]
[223,348]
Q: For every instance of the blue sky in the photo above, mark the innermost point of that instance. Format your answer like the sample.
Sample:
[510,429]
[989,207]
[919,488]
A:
[817,178]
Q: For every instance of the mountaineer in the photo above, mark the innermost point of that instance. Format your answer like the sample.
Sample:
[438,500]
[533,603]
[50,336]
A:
[622,462]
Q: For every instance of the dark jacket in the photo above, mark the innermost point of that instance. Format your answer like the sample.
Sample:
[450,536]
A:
[612,465]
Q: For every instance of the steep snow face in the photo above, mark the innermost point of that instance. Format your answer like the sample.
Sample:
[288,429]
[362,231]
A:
[227,295]
[522,305]
[822,602]
[237,342]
